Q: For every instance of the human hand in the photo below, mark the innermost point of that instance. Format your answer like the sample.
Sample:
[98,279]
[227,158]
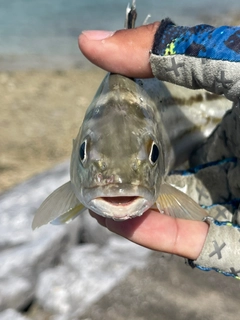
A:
[127,52]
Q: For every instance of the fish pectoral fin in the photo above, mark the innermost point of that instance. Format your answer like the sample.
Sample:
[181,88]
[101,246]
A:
[175,203]
[60,206]
[68,215]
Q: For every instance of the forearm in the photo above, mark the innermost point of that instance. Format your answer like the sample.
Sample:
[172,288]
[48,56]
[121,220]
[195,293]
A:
[201,57]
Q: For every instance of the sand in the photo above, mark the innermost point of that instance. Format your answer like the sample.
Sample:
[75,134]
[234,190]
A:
[41,112]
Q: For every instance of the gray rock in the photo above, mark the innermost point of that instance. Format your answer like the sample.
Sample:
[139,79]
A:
[15,292]
[18,205]
[167,289]
[11,314]
[92,231]
[24,253]
[87,273]
[26,262]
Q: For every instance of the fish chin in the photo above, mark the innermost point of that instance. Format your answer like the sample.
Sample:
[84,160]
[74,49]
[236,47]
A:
[119,208]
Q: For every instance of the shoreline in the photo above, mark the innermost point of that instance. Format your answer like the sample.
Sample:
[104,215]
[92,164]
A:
[34,62]
[41,112]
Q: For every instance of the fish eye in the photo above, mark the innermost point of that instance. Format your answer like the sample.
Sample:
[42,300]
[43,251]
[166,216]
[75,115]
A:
[83,151]
[154,153]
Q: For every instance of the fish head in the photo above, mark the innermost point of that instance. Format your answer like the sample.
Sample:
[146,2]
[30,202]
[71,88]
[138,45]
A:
[117,162]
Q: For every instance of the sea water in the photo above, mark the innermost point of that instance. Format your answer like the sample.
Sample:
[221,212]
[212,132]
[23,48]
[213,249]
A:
[44,33]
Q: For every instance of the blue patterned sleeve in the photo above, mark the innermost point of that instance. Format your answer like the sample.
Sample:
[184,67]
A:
[198,57]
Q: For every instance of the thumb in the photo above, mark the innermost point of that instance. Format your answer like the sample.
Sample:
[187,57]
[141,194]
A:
[124,51]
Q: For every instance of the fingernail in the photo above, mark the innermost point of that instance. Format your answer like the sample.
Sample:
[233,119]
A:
[97,34]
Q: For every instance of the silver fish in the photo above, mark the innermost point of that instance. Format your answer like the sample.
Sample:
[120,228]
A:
[134,132]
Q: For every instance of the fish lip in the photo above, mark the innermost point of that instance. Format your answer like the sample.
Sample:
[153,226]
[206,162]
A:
[131,209]
[140,198]
[116,190]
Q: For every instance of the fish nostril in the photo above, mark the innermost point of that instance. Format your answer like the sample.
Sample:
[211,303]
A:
[106,179]
[99,177]
[110,179]
[134,166]
[102,165]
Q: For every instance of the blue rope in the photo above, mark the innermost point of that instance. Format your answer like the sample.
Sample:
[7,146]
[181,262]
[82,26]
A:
[227,274]
[233,202]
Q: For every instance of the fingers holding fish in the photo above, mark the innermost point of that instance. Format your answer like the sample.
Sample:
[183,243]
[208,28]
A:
[161,232]
[124,51]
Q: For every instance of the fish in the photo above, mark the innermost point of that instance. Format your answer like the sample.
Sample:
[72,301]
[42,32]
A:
[135,131]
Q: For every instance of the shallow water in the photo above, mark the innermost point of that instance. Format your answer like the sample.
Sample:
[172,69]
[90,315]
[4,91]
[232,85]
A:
[43,33]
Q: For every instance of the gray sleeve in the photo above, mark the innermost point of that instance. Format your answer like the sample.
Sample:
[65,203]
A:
[201,57]
[221,251]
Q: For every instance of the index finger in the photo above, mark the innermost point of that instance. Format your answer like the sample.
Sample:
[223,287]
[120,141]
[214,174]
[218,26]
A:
[161,232]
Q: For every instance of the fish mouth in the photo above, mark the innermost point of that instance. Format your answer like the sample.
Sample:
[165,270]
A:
[120,207]
[120,201]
